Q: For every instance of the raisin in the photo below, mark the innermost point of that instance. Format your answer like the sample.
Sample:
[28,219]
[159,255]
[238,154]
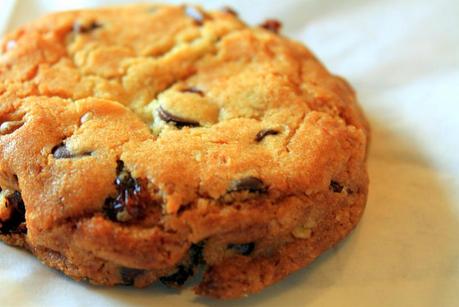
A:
[128,275]
[336,186]
[177,121]
[243,249]
[130,201]
[251,184]
[272,25]
[16,222]
[263,133]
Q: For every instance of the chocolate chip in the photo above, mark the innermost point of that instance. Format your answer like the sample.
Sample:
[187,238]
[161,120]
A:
[130,202]
[272,25]
[195,253]
[16,222]
[119,166]
[177,279]
[229,10]
[129,275]
[177,121]
[114,207]
[251,184]
[336,186]
[263,133]
[80,28]
[195,14]
[61,152]
[193,90]
[10,126]
[187,269]
[243,249]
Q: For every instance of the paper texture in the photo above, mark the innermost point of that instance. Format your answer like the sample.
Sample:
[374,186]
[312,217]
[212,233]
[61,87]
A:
[402,57]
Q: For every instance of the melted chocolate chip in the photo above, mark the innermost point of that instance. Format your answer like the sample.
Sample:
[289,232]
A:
[177,121]
[193,90]
[80,28]
[272,25]
[130,202]
[336,186]
[229,10]
[195,253]
[129,275]
[195,14]
[178,278]
[62,152]
[265,132]
[251,184]
[16,222]
[186,270]
[243,249]
[119,166]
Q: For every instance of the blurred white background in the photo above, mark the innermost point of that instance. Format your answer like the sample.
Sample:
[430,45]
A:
[403,59]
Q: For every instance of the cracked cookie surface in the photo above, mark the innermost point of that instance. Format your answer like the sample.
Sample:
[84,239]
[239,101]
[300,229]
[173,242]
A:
[140,142]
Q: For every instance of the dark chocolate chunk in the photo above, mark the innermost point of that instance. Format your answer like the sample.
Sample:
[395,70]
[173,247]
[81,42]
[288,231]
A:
[336,186]
[272,25]
[61,152]
[243,249]
[251,184]
[81,28]
[178,278]
[195,14]
[229,10]
[193,90]
[177,121]
[130,202]
[263,133]
[16,222]
[129,275]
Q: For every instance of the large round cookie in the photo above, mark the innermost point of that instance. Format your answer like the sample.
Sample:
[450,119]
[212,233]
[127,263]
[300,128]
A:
[141,142]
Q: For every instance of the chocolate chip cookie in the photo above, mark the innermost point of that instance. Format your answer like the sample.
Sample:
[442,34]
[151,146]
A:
[142,143]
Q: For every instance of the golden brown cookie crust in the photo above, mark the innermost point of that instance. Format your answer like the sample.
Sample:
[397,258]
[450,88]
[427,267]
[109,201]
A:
[144,140]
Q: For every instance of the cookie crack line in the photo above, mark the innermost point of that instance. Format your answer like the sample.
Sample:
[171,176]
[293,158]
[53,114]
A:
[293,132]
[207,52]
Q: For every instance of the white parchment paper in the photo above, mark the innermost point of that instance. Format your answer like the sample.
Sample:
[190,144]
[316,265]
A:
[403,59]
